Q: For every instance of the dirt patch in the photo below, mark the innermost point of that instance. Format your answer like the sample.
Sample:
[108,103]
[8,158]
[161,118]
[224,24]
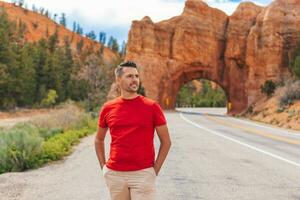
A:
[268,111]
[23,113]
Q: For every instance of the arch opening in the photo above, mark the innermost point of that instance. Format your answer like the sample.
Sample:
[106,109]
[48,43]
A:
[200,93]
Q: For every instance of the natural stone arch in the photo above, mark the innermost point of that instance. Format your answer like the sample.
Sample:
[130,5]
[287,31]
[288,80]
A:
[239,52]
[187,77]
[169,93]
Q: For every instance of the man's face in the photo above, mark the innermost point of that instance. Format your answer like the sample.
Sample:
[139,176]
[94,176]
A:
[129,80]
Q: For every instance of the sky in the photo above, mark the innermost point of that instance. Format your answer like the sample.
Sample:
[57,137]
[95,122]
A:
[114,17]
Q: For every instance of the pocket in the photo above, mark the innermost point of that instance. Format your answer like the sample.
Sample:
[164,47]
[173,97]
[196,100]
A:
[104,170]
[154,172]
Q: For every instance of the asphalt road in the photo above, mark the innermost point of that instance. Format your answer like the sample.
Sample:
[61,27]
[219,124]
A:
[213,157]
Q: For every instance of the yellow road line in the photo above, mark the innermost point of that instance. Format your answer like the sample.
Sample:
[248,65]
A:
[251,130]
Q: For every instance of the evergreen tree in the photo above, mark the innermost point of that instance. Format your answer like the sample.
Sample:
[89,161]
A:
[63,20]
[67,63]
[113,44]
[123,49]
[27,75]
[102,37]
[40,60]
[53,41]
[74,26]
[42,10]
[91,35]
[54,17]
[79,30]
[8,63]
[20,3]
[47,14]
[34,9]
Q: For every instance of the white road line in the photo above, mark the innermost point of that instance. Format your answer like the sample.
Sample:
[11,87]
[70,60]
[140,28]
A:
[239,142]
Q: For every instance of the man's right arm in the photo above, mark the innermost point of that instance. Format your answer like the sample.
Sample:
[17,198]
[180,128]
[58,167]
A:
[99,145]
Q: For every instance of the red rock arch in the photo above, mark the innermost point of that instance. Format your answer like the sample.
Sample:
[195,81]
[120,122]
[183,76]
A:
[239,52]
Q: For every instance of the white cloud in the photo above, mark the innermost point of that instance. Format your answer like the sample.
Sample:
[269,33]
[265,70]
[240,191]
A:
[117,15]
[113,12]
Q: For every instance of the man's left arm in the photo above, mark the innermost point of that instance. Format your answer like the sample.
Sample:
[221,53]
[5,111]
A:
[165,144]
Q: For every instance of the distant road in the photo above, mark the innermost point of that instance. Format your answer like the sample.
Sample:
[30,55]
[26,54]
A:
[213,157]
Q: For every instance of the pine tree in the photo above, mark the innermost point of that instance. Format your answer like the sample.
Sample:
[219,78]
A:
[63,20]
[91,35]
[42,10]
[54,17]
[27,76]
[20,3]
[74,26]
[53,41]
[123,49]
[113,44]
[40,60]
[34,9]
[79,30]
[102,37]
[8,62]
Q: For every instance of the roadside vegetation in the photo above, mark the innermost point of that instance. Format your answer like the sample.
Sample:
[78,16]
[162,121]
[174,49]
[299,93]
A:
[46,138]
[200,93]
[71,83]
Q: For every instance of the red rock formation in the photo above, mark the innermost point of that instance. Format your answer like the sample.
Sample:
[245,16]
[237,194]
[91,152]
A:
[39,26]
[270,43]
[236,70]
[239,52]
[178,50]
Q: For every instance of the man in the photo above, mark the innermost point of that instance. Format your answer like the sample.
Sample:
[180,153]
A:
[131,169]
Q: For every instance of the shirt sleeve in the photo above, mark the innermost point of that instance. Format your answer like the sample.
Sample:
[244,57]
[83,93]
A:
[102,117]
[159,118]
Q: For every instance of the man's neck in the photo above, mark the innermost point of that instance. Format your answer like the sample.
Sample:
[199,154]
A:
[126,95]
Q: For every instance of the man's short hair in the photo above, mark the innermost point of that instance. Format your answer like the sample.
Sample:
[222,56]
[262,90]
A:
[119,69]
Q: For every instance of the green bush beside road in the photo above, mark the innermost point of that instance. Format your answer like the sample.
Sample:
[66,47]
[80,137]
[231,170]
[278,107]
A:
[26,146]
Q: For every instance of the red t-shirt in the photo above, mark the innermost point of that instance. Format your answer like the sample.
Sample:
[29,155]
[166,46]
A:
[131,123]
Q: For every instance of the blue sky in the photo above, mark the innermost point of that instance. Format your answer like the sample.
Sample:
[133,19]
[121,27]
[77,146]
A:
[114,16]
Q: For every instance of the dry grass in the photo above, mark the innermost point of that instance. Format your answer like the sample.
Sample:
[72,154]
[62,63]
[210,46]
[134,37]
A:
[288,94]
[282,110]
[66,116]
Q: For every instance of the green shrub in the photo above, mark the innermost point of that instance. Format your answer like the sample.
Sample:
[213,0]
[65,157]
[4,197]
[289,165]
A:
[295,59]
[48,133]
[19,148]
[25,146]
[50,99]
[268,88]
[60,145]
[290,93]
[296,67]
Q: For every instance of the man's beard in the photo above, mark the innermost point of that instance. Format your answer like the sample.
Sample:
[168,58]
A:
[131,90]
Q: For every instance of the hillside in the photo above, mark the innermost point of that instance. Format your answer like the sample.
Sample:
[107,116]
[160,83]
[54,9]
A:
[269,110]
[39,26]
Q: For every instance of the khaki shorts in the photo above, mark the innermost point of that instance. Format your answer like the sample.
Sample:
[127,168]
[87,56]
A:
[130,185]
